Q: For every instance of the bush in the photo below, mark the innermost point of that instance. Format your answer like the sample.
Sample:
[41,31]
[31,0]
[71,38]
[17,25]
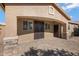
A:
[56,52]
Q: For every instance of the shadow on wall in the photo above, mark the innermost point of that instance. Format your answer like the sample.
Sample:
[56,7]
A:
[56,52]
[37,29]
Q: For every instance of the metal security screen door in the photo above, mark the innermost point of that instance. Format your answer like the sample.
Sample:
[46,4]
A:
[56,32]
[38,30]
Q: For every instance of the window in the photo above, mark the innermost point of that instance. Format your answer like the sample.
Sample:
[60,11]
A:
[30,25]
[27,25]
[68,26]
[51,10]
[47,26]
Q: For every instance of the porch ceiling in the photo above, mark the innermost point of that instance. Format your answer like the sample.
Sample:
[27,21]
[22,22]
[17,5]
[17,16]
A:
[41,19]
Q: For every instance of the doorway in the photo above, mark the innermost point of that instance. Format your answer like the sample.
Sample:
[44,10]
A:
[56,30]
[38,30]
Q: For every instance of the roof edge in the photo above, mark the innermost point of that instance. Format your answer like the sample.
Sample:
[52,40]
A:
[2,5]
[62,11]
[73,23]
[55,4]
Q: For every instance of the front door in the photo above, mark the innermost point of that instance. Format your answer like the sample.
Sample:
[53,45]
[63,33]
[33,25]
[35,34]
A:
[56,32]
[38,30]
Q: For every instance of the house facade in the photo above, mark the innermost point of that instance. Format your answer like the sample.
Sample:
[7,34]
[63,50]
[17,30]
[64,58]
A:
[29,22]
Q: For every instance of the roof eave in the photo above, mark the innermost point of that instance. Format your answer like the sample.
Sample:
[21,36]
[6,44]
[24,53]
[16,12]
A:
[58,7]
[2,5]
[62,11]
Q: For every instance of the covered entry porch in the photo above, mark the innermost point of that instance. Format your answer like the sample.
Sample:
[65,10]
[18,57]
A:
[48,30]
[41,28]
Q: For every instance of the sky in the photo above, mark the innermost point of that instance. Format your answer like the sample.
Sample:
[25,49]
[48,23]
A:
[72,9]
[2,16]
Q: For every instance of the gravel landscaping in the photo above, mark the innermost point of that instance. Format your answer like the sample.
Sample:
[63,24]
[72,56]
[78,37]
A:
[62,47]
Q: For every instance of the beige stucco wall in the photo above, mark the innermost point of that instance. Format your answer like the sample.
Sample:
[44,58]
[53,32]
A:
[13,11]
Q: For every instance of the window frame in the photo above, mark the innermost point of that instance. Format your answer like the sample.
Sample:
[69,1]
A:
[28,25]
[25,25]
[47,26]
